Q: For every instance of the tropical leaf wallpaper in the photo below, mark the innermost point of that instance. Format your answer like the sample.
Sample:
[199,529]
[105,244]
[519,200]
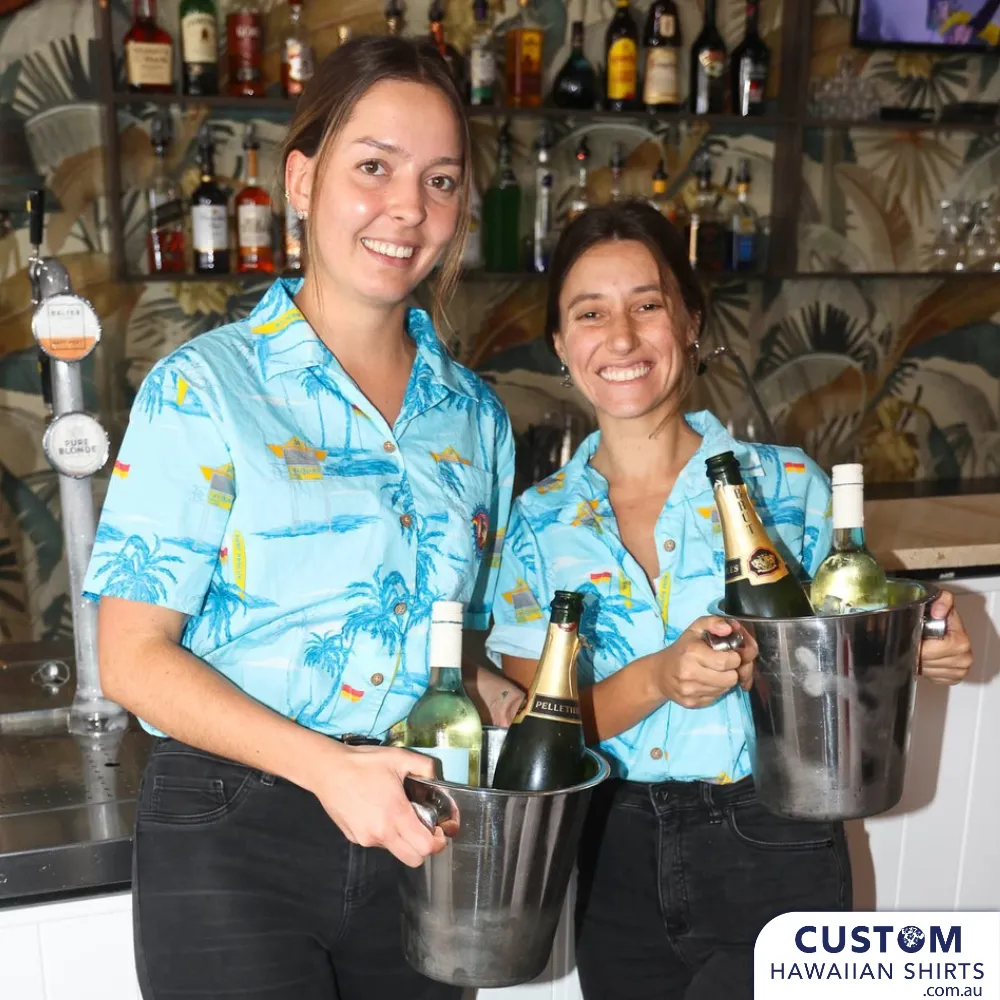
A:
[903,374]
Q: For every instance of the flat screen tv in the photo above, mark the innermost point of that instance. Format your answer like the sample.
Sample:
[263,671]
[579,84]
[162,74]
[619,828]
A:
[966,25]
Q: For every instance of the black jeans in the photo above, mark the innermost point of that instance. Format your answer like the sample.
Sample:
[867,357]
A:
[244,887]
[677,879]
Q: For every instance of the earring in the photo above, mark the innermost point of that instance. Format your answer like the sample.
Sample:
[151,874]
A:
[567,380]
[303,215]
[694,349]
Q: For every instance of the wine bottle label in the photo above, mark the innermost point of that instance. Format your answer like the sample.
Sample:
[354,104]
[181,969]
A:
[547,707]
[165,214]
[713,62]
[299,60]
[149,64]
[622,70]
[483,73]
[253,226]
[667,28]
[209,228]
[199,43]
[245,46]
[753,79]
[454,762]
[660,85]
[750,553]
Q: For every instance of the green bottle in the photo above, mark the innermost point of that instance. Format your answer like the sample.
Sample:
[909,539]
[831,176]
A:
[758,583]
[502,212]
[444,722]
[199,47]
[544,747]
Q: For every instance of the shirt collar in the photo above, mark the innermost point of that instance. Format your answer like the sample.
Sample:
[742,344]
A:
[283,340]
[589,485]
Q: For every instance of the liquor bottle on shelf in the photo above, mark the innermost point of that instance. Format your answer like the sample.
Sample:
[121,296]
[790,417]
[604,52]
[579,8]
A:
[482,62]
[621,47]
[662,38]
[344,34]
[749,67]
[199,48]
[523,67]
[149,52]
[451,55]
[579,198]
[294,237]
[706,230]
[575,85]
[708,68]
[298,58]
[544,747]
[744,230]
[444,722]
[245,43]
[255,238]
[165,210]
[758,583]
[661,201]
[209,214]
[617,169]
[541,237]
[394,17]
[502,210]
[849,579]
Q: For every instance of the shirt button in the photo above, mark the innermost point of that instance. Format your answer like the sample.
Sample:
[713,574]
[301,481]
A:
[400,609]
[377,679]
[406,520]
[670,545]
[656,753]
[388,447]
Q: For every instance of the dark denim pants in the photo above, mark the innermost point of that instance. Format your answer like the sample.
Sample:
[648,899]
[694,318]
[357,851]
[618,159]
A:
[678,878]
[244,887]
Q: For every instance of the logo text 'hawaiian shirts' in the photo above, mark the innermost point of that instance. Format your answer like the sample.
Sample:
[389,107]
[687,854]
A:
[260,493]
[563,536]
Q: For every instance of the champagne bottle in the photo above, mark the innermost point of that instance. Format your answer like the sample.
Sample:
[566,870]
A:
[544,748]
[444,722]
[758,583]
[849,579]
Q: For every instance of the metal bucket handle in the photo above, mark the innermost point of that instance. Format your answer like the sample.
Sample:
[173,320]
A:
[433,806]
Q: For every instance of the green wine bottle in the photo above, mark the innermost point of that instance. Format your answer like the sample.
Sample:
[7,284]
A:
[444,722]
[849,579]
[544,748]
[758,583]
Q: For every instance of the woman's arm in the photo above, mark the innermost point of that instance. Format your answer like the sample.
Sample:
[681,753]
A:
[687,672]
[144,668]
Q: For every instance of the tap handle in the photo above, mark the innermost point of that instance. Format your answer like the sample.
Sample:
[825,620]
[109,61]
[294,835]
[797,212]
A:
[36,216]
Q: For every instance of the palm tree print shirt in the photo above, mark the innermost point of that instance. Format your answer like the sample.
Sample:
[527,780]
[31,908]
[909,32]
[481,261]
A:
[563,536]
[260,493]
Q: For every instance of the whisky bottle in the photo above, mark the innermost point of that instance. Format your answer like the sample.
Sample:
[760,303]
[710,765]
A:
[298,59]
[245,42]
[758,583]
[544,747]
[523,67]
[149,52]
[575,85]
[165,210]
[849,579]
[209,214]
[708,68]
[199,48]
[253,216]
[621,47]
[444,722]
[662,38]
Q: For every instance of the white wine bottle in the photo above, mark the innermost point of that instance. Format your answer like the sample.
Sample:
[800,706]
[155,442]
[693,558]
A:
[849,579]
[444,722]
[544,747]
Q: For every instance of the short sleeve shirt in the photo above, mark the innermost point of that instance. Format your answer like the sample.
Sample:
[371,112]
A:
[260,493]
[563,536]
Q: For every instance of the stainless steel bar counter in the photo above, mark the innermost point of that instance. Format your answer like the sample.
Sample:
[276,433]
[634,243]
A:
[67,803]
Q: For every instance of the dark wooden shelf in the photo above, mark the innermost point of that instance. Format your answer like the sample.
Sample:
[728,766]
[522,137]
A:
[885,275]
[843,125]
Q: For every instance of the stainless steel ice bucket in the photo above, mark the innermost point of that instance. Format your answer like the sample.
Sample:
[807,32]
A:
[484,911]
[831,704]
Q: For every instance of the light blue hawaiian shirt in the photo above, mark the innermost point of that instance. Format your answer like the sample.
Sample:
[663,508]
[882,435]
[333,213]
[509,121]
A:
[563,536]
[259,492]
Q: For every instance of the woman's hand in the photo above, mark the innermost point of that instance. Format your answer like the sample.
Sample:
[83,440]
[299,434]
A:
[690,673]
[361,788]
[946,660]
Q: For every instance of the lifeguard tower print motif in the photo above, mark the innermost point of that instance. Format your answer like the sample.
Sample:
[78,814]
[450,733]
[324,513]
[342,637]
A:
[563,536]
[258,492]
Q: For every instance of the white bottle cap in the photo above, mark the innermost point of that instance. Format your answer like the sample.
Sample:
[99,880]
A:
[448,611]
[446,634]
[850,474]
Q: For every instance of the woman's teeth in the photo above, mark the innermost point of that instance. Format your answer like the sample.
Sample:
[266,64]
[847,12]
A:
[624,374]
[388,249]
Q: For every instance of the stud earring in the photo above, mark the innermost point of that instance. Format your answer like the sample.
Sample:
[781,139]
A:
[567,379]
